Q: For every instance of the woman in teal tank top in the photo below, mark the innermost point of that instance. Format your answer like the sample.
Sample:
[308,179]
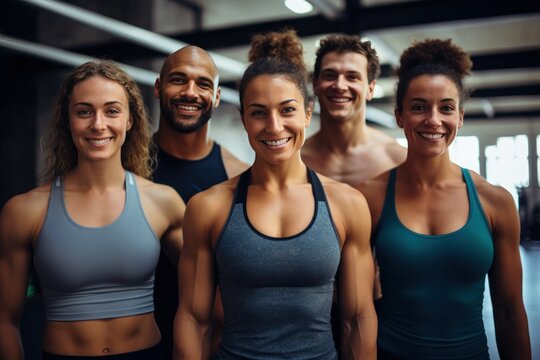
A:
[438,229]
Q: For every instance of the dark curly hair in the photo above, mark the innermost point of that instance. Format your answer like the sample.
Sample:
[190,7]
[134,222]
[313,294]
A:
[348,43]
[57,144]
[276,54]
[432,57]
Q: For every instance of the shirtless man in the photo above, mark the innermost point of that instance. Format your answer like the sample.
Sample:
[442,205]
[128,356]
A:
[346,148]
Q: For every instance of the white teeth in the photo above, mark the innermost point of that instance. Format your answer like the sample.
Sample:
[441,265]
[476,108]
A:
[431,136]
[276,142]
[339,100]
[187,107]
[99,141]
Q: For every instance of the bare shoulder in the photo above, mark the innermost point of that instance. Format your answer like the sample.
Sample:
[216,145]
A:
[341,193]
[233,165]
[23,215]
[495,199]
[215,198]
[161,195]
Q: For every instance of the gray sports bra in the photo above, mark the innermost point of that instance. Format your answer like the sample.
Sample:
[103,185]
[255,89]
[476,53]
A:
[90,273]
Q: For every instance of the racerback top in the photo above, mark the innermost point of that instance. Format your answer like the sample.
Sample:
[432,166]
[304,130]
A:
[90,273]
[433,285]
[277,292]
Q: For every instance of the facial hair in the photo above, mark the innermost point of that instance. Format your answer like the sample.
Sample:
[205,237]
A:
[169,116]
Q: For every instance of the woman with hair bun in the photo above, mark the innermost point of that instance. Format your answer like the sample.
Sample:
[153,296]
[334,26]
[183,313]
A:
[439,229]
[276,252]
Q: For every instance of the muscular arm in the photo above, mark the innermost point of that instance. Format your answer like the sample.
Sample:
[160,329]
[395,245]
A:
[505,280]
[359,321]
[172,239]
[197,284]
[15,254]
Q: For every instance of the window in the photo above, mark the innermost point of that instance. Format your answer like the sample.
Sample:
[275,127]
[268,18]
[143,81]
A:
[507,163]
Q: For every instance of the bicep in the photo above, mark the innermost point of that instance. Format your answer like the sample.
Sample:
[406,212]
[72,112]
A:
[15,257]
[505,276]
[196,270]
[356,268]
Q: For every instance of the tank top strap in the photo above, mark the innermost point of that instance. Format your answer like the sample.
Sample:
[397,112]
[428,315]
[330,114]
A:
[240,194]
[318,190]
[56,198]
[474,201]
[389,199]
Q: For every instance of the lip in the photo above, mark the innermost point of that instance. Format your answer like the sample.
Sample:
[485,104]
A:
[187,108]
[99,142]
[431,136]
[276,144]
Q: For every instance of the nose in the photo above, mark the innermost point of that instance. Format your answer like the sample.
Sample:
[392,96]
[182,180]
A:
[188,90]
[433,118]
[274,123]
[98,122]
[340,83]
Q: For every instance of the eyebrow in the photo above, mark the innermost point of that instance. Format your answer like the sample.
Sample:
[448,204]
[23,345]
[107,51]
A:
[114,102]
[424,100]
[183,74]
[284,102]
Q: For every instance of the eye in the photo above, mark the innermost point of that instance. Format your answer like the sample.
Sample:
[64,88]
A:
[83,112]
[205,85]
[177,80]
[354,77]
[257,113]
[328,76]
[447,108]
[113,111]
[417,107]
[289,109]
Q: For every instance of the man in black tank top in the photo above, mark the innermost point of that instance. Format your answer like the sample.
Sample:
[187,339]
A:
[188,160]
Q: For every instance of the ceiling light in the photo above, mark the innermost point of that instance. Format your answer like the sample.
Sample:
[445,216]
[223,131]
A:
[299,6]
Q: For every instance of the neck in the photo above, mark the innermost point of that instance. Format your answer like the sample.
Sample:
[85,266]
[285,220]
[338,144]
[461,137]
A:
[97,175]
[428,172]
[341,136]
[187,146]
[278,176]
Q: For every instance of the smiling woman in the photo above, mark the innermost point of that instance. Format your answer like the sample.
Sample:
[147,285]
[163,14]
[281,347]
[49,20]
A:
[94,229]
[276,253]
[440,229]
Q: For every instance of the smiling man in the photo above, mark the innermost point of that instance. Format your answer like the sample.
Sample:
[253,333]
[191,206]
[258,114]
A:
[188,159]
[346,148]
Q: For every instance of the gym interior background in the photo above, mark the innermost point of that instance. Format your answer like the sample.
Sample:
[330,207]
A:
[40,40]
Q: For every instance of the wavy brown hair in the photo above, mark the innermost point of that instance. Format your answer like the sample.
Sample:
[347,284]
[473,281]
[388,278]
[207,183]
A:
[348,43]
[59,150]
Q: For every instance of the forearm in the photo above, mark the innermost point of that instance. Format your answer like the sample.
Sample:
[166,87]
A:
[512,333]
[359,339]
[10,343]
[191,341]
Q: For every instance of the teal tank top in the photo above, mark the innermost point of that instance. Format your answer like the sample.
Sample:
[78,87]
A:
[433,285]
[277,292]
[90,273]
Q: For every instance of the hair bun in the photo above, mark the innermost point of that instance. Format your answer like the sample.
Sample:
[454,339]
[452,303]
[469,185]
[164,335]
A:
[435,52]
[283,45]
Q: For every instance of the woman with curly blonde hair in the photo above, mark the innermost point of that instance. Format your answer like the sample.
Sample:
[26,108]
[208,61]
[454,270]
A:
[94,229]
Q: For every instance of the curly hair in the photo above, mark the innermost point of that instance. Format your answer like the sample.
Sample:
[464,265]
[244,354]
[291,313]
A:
[348,43]
[276,54]
[432,57]
[57,143]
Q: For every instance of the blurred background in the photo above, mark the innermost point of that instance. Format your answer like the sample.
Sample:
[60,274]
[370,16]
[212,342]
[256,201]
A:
[40,40]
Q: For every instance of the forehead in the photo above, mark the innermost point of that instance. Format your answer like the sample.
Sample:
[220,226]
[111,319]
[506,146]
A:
[431,85]
[347,61]
[266,89]
[98,89]
[191,61]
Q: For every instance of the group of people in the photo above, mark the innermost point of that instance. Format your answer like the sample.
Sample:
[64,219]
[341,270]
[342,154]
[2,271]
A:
[273,260]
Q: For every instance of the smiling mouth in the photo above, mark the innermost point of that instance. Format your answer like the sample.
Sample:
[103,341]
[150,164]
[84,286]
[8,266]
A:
[99,142]
[431,136]
[187,107]
[339,100]
[276,142]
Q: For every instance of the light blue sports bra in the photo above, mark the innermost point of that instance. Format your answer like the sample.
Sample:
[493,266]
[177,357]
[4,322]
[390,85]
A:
[90,273]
